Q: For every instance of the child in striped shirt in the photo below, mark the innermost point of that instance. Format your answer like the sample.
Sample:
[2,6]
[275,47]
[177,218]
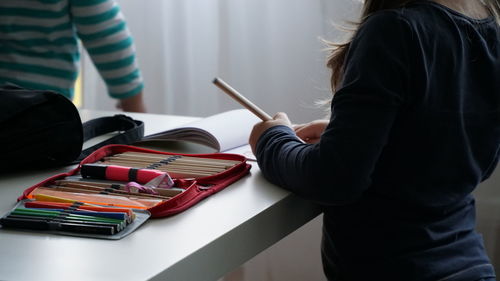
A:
[39,47]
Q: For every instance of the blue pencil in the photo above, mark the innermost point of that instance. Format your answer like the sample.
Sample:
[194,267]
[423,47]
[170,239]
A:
[118,216]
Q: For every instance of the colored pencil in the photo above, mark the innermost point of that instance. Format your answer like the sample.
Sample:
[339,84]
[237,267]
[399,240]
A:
[97,190]
[54,214]
[81,206]
[115,215]
[40,224]
[46,194]
[171,192]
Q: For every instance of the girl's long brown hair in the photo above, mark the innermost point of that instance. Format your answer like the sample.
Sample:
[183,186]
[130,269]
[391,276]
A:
[338,53]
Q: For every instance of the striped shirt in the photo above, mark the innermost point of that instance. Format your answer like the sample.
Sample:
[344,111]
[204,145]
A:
[39,45]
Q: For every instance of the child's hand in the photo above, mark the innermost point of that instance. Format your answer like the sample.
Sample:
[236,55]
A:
[311,132]
[279,119]
[132,104]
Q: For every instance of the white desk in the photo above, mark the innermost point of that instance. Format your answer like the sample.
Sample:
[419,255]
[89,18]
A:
[201,243]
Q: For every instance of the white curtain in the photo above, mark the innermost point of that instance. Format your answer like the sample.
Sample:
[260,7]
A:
[269,50]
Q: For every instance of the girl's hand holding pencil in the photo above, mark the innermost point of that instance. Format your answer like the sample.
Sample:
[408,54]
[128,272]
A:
[279,119]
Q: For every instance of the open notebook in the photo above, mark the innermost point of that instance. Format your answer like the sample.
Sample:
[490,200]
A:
[225,132]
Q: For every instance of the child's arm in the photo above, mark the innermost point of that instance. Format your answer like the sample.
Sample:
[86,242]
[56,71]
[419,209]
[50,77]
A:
[102,29]
[132,104]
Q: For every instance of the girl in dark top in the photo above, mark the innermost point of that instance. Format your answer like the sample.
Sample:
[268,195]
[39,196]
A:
[414,128]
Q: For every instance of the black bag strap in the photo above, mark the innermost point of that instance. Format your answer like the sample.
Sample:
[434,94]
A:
[130,131]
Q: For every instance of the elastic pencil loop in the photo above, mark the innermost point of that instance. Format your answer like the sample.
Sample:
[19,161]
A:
[72,208]
[154,165]
[63,214]
[76,204]
[132,174]
[166,161]
[54,221]
[53,225]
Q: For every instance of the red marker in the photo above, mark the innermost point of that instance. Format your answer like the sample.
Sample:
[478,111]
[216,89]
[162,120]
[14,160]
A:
[121,173]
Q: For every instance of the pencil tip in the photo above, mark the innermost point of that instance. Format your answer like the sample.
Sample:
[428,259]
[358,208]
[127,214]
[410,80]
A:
[215,80]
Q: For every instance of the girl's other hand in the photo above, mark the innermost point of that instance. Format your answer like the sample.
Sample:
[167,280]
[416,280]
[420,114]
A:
[311,132]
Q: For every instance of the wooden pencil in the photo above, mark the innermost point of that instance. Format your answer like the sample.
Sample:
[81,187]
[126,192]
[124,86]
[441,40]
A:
[161,191]
[109,190]
[174,173]
[179,157]
[166,165]
[99,199]
[230,91]
[182,162]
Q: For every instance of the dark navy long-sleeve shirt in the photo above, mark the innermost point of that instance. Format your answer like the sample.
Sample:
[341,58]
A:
[415,127]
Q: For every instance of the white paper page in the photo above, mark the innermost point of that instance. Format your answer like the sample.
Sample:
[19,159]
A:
[231,128]
[222,131]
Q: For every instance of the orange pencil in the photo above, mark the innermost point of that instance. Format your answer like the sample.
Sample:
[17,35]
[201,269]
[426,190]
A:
[57,196]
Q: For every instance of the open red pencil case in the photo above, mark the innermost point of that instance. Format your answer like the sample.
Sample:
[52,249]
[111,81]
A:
[193,189]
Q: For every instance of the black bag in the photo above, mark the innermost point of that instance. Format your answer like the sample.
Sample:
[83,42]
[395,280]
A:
[42,129]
